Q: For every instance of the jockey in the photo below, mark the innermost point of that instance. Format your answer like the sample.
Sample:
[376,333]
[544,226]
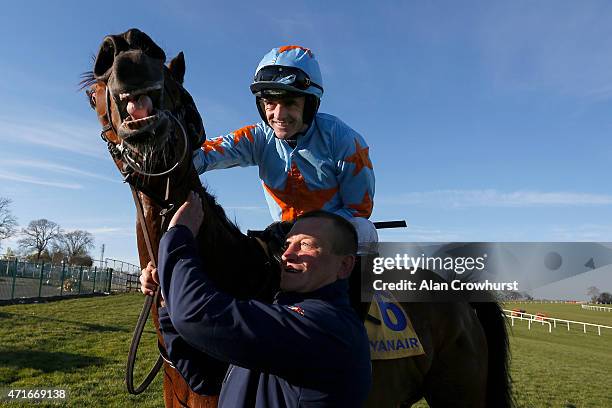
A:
[307,160]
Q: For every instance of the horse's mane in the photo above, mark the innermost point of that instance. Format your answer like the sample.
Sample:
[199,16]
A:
[211,200]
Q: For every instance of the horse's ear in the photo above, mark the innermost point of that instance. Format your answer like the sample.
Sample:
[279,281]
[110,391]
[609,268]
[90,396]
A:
[177,67]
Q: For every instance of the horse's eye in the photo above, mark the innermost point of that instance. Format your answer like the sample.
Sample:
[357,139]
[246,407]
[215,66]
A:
[91,95]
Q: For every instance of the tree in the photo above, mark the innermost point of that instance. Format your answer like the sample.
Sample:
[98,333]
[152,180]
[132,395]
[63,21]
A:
[8,223]
[44,257]
[593,293]
[82,260]
[9,254]
[76,244]
[605,298]
[39,235]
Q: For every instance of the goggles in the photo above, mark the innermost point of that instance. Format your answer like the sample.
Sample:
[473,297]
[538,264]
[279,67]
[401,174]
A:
[275,76]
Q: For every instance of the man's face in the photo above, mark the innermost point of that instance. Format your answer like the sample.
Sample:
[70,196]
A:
[285,115]
[308,263]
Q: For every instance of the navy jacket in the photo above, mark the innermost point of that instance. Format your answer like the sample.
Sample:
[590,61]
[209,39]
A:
[305,350]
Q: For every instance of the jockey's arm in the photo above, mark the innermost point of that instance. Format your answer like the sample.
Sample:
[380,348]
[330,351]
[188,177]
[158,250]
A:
[238,148]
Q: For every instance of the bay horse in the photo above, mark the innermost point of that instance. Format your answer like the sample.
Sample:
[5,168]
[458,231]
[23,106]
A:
[151,125]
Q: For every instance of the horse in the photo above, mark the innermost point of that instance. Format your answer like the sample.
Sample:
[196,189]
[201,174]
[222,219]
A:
[151,124]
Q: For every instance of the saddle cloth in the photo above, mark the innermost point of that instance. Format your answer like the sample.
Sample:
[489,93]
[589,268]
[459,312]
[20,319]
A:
[390,330]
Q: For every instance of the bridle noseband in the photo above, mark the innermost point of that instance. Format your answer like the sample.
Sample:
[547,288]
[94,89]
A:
[124,151]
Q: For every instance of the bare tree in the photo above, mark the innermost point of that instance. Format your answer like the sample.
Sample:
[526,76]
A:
[593,292]
[76,244]
[8,223]
[39,235]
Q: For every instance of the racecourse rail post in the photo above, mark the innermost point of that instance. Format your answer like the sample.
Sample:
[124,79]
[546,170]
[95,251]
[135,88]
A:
[110,279]
[42,270]
[80,278]
[14,279]
[62,280]
[94,282]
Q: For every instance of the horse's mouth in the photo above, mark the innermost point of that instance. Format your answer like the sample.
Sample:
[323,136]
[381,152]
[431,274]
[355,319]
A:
[143,121]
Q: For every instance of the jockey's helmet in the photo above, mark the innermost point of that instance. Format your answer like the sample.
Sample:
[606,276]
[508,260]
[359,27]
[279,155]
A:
[289,70]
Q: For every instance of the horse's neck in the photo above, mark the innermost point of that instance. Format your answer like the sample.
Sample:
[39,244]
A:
[216,230]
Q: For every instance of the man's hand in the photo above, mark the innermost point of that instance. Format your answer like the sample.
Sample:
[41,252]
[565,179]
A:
[149,280]
[190,214]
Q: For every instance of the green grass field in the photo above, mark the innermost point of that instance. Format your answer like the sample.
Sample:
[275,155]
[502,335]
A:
[81,345]
[562,368]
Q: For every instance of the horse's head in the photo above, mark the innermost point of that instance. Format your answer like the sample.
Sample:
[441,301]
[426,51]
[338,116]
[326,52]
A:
[151,125]
[147,115]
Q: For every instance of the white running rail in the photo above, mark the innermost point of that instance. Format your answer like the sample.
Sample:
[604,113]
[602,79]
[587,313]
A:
[547,320]
[596,307]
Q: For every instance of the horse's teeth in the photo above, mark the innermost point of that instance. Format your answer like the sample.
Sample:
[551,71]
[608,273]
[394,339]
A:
[134,124]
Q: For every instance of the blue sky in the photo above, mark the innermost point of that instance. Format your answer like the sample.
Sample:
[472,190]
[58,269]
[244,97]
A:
[486,120]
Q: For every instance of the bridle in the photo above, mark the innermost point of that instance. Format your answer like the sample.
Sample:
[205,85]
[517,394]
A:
[124,151]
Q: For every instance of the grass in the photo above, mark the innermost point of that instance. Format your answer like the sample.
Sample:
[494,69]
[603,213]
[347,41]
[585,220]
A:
[561,369]
[81,345]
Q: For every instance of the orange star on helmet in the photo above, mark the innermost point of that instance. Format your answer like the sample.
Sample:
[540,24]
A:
[292,47]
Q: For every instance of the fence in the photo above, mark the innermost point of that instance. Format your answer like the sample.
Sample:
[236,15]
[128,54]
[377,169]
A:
[519,316]
[596,307]
[515,314]
[21,279]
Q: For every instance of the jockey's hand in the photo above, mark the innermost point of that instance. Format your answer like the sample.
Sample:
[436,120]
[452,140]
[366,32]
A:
[190,214]
[149,280]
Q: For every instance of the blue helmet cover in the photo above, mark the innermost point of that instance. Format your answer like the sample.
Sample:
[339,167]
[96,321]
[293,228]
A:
[297,57]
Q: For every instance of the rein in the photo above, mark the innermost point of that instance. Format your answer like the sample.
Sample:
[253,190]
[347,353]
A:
[148,303]
[130,169]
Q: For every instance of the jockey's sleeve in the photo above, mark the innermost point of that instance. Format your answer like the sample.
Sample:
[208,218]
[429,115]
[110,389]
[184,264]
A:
[238,148]
[252,334]
[355,174]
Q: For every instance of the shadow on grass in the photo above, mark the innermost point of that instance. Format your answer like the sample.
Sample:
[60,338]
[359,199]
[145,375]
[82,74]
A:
[47,361]
[87,326]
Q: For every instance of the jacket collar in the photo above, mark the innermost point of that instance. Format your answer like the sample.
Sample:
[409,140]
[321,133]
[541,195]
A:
[336,292]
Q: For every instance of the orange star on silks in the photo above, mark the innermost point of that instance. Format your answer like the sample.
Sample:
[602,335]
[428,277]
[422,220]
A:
[364,209]
[360,158]
[213,145]
[296,194]
[243,132]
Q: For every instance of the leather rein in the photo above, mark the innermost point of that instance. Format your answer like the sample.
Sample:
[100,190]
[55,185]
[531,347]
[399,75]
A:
[130,169]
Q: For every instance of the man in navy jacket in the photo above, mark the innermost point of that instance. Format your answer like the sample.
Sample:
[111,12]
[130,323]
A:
[306,349]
